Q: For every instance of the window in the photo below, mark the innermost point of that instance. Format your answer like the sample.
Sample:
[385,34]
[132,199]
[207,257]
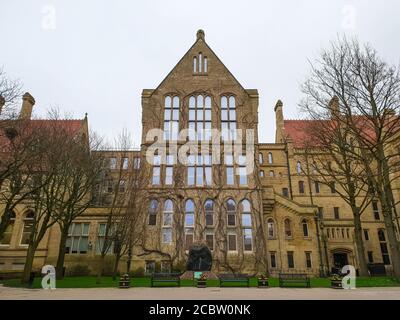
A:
[165,266]
[298,167]
[336,212]
[101,236]
[167,235]
[285,192]
[9,230]
[272,257]
[77,241]
[301,186]
[195,64]
[231,212]
[28,227]
[271,229]
[209,212]
[376,210]
[199,170]
[308,260]
[113,163]
[232,242]
[136,163]
[156,170]
[200,118]
[189,223]
[261,173]
[305,227]
[242,170]
[150,267]
[200,64]
[171,118]
[125,163]
[228,118]
[210,241]
[247,239]
[271,173]
[110,185]
[168,213]
[122,186]
[169,170]
[333,187]
[260,158]
[230,180]
[366,234]
[270,158]
[246,225]
[383,245]
[290,259]
[370,257]
[328,232]
[316,186]
[288,228]
[153,208]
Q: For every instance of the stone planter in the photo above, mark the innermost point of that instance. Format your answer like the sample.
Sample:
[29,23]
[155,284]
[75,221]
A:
[201,283]
[336,284]
[262,283]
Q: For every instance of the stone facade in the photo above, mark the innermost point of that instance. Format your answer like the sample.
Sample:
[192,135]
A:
[283,228]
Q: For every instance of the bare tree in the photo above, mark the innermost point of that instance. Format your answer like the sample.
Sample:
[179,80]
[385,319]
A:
[368,90]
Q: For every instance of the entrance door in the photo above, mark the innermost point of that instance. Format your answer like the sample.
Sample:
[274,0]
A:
[340,260]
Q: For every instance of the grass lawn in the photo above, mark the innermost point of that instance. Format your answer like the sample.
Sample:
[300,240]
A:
[107,282]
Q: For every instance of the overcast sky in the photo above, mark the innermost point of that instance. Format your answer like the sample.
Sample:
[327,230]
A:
[96,56]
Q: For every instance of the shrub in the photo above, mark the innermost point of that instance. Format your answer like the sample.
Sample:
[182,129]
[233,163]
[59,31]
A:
[138,273]
[78,270]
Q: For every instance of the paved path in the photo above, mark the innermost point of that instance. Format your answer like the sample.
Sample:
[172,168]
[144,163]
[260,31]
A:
[201,294]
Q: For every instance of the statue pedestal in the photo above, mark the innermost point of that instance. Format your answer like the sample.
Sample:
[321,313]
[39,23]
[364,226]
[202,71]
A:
[189,275]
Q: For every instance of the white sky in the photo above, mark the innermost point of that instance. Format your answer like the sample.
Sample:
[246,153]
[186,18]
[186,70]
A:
[96,56]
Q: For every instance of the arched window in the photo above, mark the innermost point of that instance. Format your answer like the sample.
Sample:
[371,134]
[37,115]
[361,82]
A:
[153,208]
[304,224]
[205,65]
[298,167]
[200,118]
[171,118]
[189,223]
[260,158]
[200,62]
[262,173]
[209,212]
[271,229]
[246,225]
[9,230]
[28,227]
[288,228]
[270,159]
[231,212]
[228,118]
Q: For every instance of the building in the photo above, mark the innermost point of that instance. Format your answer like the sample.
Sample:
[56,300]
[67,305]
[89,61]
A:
[270,217]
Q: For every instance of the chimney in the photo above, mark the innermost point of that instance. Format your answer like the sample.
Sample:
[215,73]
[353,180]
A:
[334,107]
[27,105]
[2,103]
[279,121]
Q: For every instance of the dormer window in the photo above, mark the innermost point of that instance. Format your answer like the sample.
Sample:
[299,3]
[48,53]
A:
[200,64]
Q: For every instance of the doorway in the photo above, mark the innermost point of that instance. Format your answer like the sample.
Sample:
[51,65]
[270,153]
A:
[340,260]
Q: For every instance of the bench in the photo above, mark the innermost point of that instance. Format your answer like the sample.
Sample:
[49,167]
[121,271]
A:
[172,279]
[294,278]
[233,279]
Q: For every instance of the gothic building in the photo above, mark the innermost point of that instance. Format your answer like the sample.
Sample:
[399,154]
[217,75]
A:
[248,201]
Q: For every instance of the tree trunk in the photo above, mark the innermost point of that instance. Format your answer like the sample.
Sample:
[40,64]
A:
[30,255]
[392,240]
[362,262]
[115,269]
[61,253]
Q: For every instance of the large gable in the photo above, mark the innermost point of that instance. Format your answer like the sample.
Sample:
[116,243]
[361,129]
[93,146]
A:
[212,68]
